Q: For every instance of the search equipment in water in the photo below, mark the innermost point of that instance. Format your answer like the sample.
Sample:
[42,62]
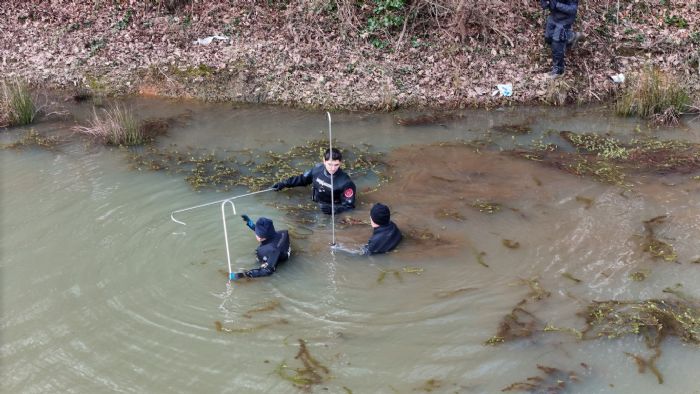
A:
[223,217]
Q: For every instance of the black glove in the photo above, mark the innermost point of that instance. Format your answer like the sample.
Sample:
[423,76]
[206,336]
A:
[553,5]
[544,4]
[248,222]
[278,186]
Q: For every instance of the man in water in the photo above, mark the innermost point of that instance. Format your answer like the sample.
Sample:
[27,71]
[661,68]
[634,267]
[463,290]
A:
[386,234]
[558,33]
[320,176]
[274,248]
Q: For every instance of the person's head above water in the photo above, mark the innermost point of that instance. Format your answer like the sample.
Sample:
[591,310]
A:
[332,159]
[380,215]
[264,228]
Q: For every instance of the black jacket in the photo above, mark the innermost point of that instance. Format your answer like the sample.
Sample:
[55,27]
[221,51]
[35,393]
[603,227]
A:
[383,239]
[343,187]
[270,253]
[560,19]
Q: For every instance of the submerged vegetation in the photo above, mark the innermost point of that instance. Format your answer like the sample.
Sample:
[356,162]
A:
[17,106]
[609,160]
[311,373]
[554,381]
[655,95]
[655,247]
[32,138]
[204,169]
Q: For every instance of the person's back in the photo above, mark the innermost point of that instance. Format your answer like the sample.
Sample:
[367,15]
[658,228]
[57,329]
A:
[386,234]
[274,248]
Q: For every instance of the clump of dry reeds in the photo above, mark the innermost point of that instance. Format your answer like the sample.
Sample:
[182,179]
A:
[654,95]
[115,125]
[17,107]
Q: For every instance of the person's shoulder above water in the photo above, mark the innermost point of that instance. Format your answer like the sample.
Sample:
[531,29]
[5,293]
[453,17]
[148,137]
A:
[386,234]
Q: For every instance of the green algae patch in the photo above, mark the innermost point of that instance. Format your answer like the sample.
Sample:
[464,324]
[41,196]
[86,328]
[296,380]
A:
[311,373]
[537,292]
[639,276]
[658,249]
[607,159]
[447,213]
[486,206]
[654,319]
[255,170]
[33,139]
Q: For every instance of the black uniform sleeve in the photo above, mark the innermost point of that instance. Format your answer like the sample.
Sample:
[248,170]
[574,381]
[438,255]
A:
[347,198]
[267,268]
[299,180]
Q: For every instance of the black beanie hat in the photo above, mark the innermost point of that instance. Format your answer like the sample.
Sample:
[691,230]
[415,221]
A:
[264,228]
[380,214]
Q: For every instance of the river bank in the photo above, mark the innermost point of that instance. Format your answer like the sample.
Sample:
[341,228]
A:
[316,56]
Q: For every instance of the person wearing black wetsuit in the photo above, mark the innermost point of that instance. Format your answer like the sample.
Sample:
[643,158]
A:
[386,235]
[320,176]
[274,248]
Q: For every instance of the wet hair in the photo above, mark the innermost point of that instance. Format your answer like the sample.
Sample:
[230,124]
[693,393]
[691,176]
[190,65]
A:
[336,155]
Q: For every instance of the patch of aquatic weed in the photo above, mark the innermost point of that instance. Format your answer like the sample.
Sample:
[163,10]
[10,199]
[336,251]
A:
[521,323]
[255,170]
[33,139]
[656,248]
[310,374]
[655,95]
[427,119]
[609,160]
[551,381]
[117,125]
[653,319]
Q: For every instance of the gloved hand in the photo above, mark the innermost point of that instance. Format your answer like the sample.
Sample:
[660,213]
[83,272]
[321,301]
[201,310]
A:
[248,222]
[234,276]
[553,5]
[278,186]
[544,4]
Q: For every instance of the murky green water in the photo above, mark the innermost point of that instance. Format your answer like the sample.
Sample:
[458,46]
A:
[102,292]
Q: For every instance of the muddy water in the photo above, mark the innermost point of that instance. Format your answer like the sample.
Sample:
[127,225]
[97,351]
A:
[102,292]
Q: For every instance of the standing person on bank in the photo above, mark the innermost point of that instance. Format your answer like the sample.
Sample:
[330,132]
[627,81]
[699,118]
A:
[385,234]
[558,33]
[274,248]
[320,177]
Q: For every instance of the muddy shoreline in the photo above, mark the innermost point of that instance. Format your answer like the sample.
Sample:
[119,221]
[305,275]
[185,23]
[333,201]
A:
[303,59]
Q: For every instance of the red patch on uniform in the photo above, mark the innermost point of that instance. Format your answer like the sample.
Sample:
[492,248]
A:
[348,193]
